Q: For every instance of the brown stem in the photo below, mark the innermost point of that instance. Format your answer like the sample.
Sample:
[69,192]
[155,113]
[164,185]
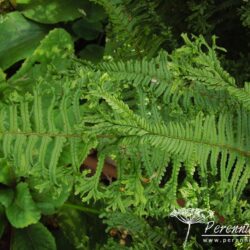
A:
[109,170]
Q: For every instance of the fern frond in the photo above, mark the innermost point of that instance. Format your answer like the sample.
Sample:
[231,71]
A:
[241,95]
[202,85]
[127,18]
[245,14]
[173,131]
[203,140]
[144,235]
[152,75]
[33,135]
[87,187]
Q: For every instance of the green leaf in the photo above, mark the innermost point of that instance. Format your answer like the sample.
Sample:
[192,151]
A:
[18,38]
[23,211]
[87,30]
[52,11]
[94,12]
[23,1]
[92,53]
[6,196]
[74,226]
[54,49]
[2,75]
[49,203]
[6,173]
[33,237]
[61,241]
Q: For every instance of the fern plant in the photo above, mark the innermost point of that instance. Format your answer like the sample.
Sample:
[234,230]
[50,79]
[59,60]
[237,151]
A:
[212,142]
[175,126]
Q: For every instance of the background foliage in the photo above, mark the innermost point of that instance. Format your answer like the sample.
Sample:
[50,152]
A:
[156,93]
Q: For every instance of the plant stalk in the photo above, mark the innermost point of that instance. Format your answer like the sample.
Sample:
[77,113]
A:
[81,208]
[188,231]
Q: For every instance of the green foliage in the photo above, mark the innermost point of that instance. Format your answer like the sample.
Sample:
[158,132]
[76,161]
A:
[85,21]
[112,121]
[42,132]
[51,11]
[245,14]
[6,173]
[88,30]
[46,58]
[92,53]
[5,6]
[22,39]
[22,211]
[126,18]
[35,236]
[54,47]
[74,227]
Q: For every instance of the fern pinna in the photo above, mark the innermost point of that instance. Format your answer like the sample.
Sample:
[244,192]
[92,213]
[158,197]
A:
[152,117]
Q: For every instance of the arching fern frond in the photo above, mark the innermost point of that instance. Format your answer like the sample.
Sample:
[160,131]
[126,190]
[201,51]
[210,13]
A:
[35,133]
[190,79]
[205,141]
